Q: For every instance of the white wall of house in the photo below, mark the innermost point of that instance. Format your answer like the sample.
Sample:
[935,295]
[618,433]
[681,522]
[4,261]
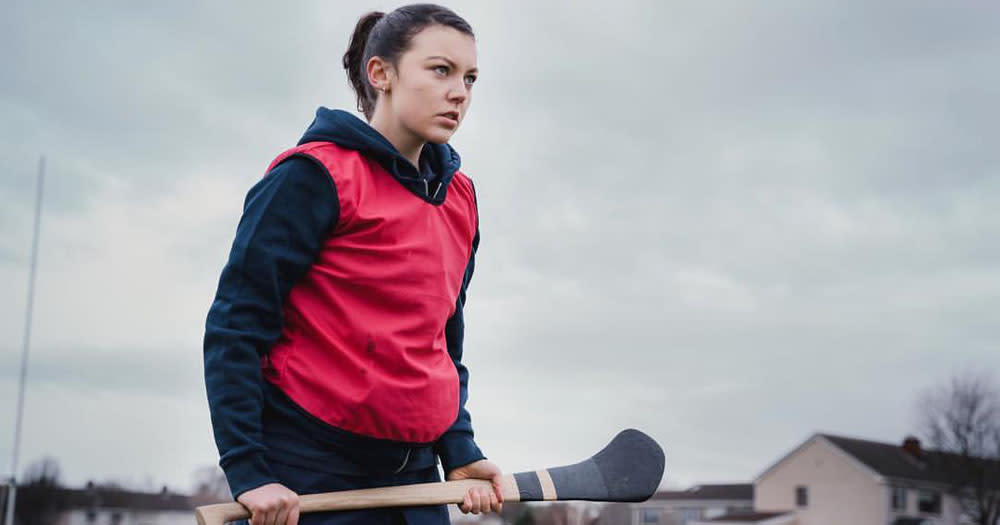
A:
[839,488]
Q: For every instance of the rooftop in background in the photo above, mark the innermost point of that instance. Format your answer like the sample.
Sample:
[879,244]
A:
[909,521]
[745,517]
[95,496]
[731,491]
[907,461]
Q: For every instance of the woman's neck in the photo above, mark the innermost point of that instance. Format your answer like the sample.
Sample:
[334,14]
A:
[404,141]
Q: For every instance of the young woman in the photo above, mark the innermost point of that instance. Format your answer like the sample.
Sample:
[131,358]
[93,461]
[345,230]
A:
[333,347]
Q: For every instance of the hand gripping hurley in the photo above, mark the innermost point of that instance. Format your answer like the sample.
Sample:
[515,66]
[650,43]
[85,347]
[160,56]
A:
[628,469]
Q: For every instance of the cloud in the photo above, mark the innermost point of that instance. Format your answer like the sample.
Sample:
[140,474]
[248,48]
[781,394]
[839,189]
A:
[700,221]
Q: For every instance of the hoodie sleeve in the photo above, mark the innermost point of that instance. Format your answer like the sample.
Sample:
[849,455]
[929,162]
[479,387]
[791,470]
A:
[457,446]
[286,217]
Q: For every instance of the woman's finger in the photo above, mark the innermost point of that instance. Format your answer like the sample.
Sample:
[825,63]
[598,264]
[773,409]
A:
[473,501]
[498,487]
[281,514]
[477,502]
[484,500]
[487,501]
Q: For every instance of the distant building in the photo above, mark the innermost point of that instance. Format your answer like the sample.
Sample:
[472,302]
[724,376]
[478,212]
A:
[836,480]
[682,507]
[95,505]
[4,492]
[457,517]
[755,518]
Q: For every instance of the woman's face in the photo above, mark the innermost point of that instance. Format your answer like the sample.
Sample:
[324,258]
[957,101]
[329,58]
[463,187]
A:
[434,77]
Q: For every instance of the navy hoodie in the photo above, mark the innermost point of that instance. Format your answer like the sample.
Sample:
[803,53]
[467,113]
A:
[286,217]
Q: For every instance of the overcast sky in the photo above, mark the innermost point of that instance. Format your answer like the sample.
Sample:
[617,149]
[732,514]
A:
[728,224]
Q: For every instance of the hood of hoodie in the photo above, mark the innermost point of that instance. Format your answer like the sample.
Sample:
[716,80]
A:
[438,162]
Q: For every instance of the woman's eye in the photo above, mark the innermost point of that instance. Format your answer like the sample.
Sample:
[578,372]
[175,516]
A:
[470,79]
[443,69]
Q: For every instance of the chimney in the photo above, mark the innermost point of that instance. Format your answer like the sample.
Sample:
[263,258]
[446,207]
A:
[911,445]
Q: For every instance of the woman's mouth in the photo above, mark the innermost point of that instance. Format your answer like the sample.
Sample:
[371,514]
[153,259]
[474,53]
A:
[451,118]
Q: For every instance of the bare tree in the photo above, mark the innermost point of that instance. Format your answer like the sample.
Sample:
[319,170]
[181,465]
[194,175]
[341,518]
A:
[39,498]
[210,482]
[962,420]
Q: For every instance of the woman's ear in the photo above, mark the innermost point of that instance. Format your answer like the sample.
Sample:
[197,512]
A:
[380,73]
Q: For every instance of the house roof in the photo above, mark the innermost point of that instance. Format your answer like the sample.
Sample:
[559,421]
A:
[119,498]
[718,491]
[891,461]
[745,517]
[98,497]
[909,521]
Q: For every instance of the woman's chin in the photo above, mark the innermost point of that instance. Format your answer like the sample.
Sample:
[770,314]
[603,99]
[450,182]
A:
[439,136]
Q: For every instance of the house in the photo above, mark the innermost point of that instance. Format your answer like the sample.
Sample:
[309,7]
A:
[833,480]
[458,517]
[682,507]
[113,506]
[97,505]
[745,518]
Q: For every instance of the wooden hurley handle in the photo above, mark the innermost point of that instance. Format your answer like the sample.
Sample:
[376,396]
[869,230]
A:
[437,493]
[628,469]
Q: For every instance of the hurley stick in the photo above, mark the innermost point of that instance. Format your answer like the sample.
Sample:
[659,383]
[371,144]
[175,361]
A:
[629,468]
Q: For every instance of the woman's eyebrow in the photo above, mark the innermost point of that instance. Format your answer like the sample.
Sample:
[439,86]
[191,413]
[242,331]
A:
[450,63]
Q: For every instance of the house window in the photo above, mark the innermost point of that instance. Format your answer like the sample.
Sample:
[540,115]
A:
[650,516]
[801,496]
[689,514]
[898,498]
[929,501]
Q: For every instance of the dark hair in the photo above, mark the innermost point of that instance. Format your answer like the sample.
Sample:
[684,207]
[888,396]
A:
[389,36]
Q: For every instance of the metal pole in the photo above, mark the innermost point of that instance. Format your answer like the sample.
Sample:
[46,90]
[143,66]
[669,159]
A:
[12,491]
